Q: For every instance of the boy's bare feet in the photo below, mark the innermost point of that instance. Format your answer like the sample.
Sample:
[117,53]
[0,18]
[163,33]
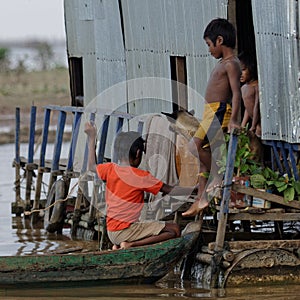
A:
[196,207]
[125,245]
[115,247]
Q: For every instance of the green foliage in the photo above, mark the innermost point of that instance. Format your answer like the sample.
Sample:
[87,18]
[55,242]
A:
[4,60]
[270,180]
[244,163]
[260,177]
[3,53]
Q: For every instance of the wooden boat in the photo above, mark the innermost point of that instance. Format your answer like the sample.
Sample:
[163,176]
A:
[144,264]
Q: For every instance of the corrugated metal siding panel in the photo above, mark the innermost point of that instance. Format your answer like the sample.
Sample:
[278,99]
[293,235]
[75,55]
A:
[94,32]
[158,29]
[80,33]
[277,43]
[71,24]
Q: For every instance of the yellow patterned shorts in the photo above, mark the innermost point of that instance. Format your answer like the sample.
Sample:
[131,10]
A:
[216,115]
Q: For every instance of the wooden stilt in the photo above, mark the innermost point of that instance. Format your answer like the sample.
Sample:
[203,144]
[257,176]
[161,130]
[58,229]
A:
[223,215]
[41,169]
[30,166]
[17,206]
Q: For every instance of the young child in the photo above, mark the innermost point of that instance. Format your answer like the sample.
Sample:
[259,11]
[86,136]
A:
[250,93]
[124,195]
[223,87]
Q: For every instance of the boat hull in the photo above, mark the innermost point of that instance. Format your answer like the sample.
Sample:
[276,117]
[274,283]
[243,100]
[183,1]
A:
[141,264]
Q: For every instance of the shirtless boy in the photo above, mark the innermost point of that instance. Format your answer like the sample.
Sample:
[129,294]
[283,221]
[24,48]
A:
[223,87]
[250,93]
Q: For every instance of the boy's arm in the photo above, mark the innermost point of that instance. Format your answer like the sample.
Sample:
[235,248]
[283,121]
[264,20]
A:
[256,114]
[91,132]
[234,73]
[177,190]
[245,118]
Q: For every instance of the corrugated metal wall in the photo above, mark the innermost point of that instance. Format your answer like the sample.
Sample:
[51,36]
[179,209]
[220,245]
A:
[276,26]
[94,32]
[126,47]
[130,39]
[157,29]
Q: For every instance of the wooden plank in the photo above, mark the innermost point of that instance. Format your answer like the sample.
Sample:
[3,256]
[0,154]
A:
[58,140]
[265,217]
[266,196]
[31,134]
[17,160]
[104,132]
[17,138]
[75,133]
[45,137]
[259,244]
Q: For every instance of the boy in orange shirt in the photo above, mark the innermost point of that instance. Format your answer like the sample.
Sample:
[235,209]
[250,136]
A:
[124,195]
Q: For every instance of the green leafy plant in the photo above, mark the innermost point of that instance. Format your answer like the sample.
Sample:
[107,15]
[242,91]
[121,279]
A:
[260,177]
[244,163]
[271,180]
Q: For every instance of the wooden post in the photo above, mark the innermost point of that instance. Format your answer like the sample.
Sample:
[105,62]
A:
[293,161]
[223,214]
[83,189]
[17,206]
[57,148]
[75,133]
[30,165]
[17,156]
[100,159]
[41,168]
[101,150]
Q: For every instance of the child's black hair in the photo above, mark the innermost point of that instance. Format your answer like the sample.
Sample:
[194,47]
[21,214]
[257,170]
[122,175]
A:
[221,27]
[249,61]
[127,144]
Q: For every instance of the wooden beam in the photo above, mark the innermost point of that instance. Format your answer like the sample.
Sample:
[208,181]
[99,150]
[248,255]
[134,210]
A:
[266,196]
[265,217]
[263,244]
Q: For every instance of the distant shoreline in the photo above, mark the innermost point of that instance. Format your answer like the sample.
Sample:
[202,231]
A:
[24,43]
[39,88]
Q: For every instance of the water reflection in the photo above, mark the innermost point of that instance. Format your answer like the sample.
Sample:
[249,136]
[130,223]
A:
[27,239]
[163,289]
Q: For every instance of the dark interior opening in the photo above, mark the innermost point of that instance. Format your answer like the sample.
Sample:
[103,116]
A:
[245,29]
[245,32]
[179,82]
[76,80]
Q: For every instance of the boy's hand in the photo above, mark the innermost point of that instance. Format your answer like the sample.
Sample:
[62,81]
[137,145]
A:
[232,125]
[90,129]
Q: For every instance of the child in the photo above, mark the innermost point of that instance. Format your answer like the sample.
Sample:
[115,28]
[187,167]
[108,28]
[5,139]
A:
[223,86]
[124,195]
[250,94]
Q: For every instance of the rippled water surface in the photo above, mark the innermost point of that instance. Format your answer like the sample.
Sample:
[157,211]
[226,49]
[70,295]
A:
[18,237]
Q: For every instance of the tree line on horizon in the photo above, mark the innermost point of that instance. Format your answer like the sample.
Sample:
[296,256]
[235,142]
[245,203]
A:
[44,56]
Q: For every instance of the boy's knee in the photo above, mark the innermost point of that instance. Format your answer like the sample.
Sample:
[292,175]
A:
[176,229]
[173,229]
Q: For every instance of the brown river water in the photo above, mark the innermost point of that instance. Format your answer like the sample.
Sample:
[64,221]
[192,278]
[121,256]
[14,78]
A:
[17,237]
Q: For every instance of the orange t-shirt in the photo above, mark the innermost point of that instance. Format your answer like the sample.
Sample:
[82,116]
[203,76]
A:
[124,195]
